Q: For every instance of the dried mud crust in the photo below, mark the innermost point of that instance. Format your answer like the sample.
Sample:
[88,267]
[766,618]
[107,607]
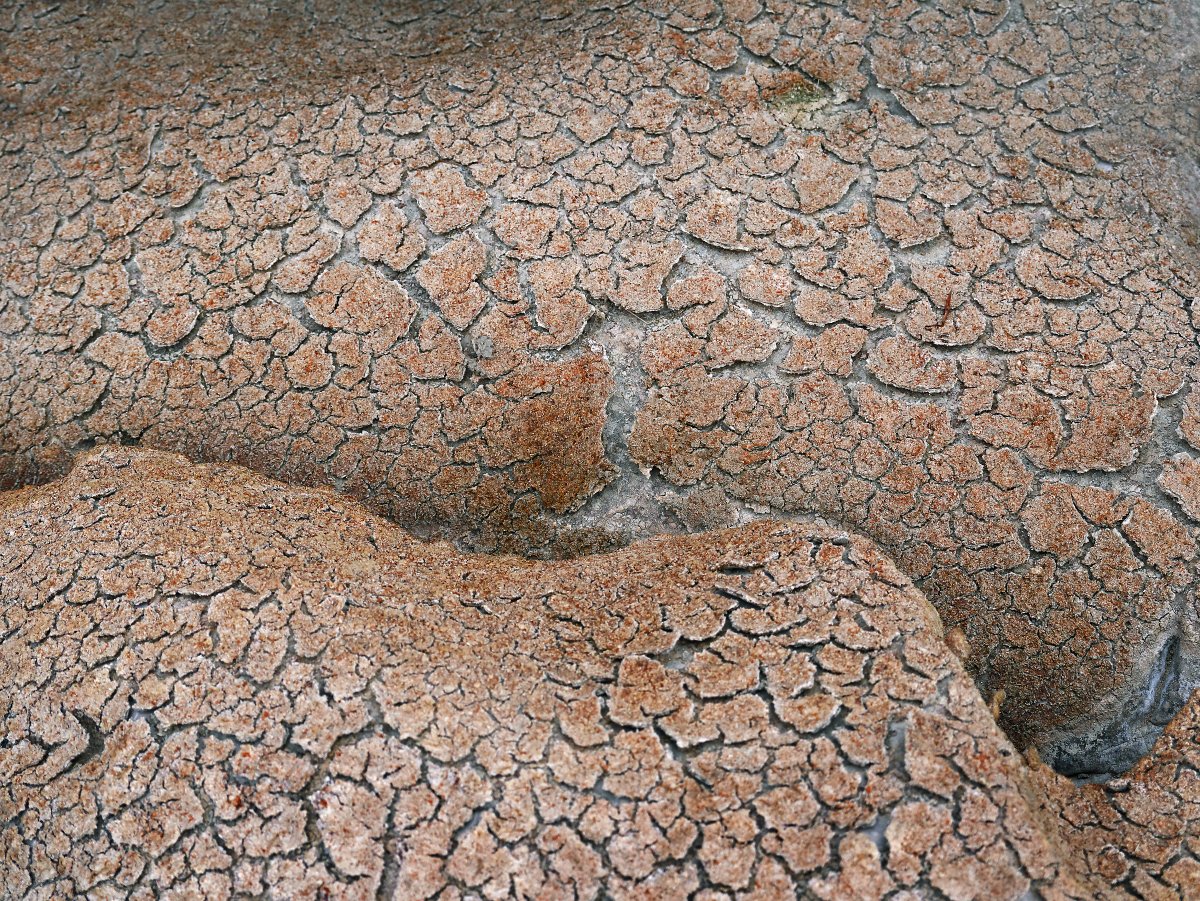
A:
[213,685]
[547,280]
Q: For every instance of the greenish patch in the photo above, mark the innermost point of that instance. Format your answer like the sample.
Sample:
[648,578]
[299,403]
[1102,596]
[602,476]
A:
[798,104]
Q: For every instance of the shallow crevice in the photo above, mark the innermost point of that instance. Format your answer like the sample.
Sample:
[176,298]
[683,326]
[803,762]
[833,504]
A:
[1098,754]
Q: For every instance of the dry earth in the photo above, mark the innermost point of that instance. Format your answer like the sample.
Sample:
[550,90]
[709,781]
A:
[222,686]
[549,279]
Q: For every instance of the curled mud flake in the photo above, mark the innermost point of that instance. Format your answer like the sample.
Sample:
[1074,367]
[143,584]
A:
[446,199]
[388,237]
[450,276]
[359,301]
[905,364]
[714,220]
[1050,275]
[911,225]
[1181,479]
[820,180]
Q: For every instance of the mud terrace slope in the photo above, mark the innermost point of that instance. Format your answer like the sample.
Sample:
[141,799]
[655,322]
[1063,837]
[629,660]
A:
[215,685]
[548,279]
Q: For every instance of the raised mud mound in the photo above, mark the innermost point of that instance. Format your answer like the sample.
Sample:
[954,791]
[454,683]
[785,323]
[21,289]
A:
[546,280]
[552,279]
[215,685]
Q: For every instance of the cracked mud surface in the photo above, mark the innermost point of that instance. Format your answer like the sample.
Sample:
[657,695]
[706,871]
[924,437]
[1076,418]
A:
[222,686]
[546,286]
[551,280]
